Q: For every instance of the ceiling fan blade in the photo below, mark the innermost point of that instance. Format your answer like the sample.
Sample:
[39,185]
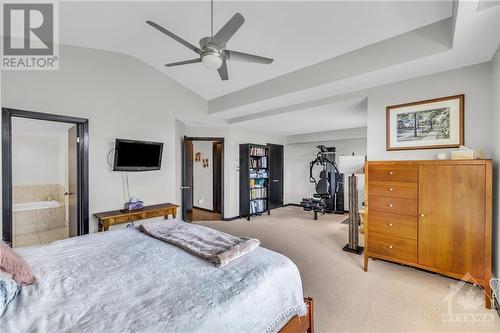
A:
[185,62]
[240,56]
[174,36]
[223,71]
[227,31]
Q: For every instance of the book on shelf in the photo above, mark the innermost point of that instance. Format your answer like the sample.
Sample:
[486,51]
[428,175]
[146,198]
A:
[257,182]
[258,206]
[258,162]
[257,151]
[258,193]
[259,174]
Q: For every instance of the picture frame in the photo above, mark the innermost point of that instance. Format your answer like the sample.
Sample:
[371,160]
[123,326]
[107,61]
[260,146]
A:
[427,124]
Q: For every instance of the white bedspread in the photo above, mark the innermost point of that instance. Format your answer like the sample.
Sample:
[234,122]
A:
[126,281]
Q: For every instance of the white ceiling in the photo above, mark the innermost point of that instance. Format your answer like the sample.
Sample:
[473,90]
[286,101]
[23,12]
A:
[322,50]
[334,116]
[295,33]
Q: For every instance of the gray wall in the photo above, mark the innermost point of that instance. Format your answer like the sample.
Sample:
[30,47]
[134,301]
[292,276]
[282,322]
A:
[233,137]
[495,129]
[122,97]
[298,156]
[473,81]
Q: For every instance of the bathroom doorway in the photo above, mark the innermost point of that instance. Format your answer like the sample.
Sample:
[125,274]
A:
[203,179]
[44,171]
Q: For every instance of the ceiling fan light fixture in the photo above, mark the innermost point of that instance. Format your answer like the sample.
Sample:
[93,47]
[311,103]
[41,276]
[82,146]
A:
[212,60]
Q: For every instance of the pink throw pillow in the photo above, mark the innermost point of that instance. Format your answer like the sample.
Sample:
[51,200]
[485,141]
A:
[13,264]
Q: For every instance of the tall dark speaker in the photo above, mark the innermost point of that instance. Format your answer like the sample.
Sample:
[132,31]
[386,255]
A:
[339,202]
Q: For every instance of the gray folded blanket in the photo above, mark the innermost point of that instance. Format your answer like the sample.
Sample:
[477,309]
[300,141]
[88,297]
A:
[215,246]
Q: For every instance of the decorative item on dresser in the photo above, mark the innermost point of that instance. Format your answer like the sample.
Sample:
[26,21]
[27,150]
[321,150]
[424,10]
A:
[106,219]
[433,215]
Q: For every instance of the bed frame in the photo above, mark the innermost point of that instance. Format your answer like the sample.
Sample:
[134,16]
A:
[301,324]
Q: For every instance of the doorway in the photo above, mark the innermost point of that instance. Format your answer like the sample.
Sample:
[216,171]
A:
[203,179]
[45,177]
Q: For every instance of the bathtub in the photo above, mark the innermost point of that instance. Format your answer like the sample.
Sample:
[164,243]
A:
[24,206]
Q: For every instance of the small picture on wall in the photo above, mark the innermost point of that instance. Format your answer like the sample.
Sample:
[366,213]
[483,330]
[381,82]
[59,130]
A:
[205,162]
[197,157]
[435,123]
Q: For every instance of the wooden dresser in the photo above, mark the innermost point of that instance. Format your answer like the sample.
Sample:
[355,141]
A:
[107,219]
[434,215]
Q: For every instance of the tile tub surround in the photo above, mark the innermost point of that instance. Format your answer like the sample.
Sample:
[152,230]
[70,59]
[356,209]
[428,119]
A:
[39,220]
[37,238]
[33,193]
[43,219]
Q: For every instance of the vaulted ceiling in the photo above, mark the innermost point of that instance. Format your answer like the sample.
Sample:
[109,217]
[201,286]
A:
[320,48]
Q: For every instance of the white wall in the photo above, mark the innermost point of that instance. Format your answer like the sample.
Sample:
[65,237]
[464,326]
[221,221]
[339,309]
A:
[473,81]
[343,134]
[203,177]
[38,159]
[495,129]
[233,137]
[297,171]
[122,97]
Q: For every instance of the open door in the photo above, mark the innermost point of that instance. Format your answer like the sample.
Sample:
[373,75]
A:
[187,180]
[71,191]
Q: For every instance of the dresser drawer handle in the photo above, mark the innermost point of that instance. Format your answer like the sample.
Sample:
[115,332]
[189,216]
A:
[422,215]
[390,246]
[391,172]
[390,224]
[391,189]
[390,205]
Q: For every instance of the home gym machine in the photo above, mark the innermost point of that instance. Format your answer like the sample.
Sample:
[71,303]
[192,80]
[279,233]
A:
[329,196]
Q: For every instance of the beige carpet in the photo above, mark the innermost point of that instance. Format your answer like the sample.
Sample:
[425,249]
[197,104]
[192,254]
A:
[388,298]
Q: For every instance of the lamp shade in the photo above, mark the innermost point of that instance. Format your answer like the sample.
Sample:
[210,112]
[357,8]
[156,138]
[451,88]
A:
[352,164]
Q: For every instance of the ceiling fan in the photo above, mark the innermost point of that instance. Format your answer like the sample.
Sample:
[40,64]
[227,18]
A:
[212,51]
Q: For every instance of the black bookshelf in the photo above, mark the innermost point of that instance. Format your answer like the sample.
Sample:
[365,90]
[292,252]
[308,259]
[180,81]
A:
[254,180]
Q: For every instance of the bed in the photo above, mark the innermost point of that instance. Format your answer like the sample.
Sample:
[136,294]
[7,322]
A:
[126,281]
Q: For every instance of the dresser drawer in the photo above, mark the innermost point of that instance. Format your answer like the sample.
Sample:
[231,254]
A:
[393,224]
[128,218]
[393,247]
[392,205]
[393,189]
[158,213]
[393,173]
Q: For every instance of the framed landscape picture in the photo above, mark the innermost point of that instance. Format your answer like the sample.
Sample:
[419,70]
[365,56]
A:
[434,123]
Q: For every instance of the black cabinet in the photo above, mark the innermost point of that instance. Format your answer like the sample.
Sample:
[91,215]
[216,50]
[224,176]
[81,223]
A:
[276,175]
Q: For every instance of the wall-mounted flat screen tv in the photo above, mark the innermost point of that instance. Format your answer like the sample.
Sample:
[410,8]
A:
[132,155]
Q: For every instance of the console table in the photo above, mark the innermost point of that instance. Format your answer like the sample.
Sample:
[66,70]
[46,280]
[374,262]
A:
[107,219]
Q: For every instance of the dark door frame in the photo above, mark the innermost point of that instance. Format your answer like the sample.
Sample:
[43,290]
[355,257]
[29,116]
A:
[218,139]
[82,166]
[216,174]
